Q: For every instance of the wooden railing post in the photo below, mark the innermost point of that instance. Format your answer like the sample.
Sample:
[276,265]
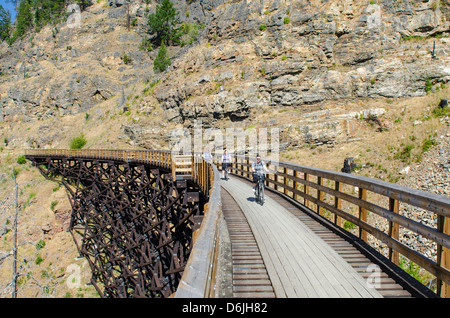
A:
[275,178]
[319,196]
[337,204]
[174,172]
[295,185]
[393,231]
[249,173]
[443,256]
[446,259]
[285,181]
[306,189]
[362,194]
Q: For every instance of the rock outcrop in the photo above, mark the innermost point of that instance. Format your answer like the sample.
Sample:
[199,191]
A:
[248,55]
[301,53]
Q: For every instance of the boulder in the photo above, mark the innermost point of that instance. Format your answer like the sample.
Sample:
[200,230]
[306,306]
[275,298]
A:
[349,165]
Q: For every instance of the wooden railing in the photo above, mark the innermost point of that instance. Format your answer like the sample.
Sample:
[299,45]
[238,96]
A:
[161,158]
[182,166]
[199,279]
[335,195]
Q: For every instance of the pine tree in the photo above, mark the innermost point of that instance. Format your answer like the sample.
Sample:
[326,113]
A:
[165,23]
[24,19]
[162,61]
[38,13]
[47,11]
[5,24]
[83,3]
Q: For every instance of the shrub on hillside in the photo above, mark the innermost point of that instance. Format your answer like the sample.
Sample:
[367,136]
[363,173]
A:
[21,160]
[162,60]
[78,142]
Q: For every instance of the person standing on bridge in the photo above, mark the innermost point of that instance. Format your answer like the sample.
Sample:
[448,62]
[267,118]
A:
[258,170]
[207,155]
[226,162]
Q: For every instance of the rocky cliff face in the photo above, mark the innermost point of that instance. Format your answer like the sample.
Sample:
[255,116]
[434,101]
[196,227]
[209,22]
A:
[312,51]
[65,70]
[250,56]
[308,55]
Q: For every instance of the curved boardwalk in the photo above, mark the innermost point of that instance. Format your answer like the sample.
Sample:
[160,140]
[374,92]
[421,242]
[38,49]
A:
[300,257]
[250,277]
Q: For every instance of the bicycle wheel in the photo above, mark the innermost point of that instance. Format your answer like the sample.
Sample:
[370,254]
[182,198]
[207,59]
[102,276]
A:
[261,194]
[258,186]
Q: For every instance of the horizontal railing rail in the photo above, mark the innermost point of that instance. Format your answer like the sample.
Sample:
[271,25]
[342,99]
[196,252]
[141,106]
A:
[334,195]
[161,158]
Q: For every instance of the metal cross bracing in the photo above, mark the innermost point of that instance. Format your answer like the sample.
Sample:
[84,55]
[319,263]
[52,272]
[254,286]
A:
[136,222]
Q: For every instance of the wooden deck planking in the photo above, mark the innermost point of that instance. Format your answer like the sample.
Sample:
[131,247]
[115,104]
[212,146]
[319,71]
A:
[307,266]
[298,261]
[387,287]
[250,278]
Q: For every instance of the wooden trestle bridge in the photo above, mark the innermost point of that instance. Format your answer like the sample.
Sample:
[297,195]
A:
[155,224]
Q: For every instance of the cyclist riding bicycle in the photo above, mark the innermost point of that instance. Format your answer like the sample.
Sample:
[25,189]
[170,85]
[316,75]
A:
[258,170]
[226,162]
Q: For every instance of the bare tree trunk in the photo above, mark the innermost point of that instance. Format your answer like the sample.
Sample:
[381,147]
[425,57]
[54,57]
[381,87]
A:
[16,214]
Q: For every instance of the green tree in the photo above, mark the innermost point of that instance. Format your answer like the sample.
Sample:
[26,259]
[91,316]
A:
[83,3]
[24,19]
[162,60]
[47,11]
[165,23]
[5,24]
[38,13]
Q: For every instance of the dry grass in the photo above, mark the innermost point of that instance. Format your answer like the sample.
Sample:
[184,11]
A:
[409,122]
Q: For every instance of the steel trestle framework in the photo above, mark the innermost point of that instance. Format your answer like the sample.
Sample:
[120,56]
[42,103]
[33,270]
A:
[136,221]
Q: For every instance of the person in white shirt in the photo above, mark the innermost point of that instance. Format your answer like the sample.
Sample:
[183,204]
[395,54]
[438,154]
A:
[226,162]
[207,155]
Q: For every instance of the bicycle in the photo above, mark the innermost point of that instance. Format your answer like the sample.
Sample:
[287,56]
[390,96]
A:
[226,173]
[259,189]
